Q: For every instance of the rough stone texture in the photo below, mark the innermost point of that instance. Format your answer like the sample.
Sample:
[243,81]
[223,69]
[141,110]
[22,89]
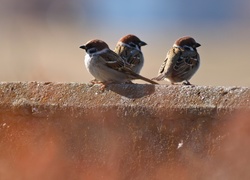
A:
[77,131]
[28,97]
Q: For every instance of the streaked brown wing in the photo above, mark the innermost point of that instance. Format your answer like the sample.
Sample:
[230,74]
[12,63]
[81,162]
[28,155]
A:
[172,56]
[134,58]
[113,60]
[185,62]
[129,55]
[162,68]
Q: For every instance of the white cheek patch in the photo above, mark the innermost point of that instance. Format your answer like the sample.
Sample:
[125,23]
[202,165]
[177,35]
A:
[87,60]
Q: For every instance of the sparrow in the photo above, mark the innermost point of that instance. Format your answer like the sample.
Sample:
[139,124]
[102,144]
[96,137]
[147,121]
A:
[129,48]
[107,66]
[181,62]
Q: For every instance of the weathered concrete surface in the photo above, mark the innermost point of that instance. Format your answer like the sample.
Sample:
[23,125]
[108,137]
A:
[54,97]
[77,131]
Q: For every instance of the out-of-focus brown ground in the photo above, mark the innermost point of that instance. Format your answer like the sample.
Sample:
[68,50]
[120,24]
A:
[33,148]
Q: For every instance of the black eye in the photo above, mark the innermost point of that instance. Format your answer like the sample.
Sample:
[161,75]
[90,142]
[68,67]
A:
[132,45]
[188,48]
[92,50]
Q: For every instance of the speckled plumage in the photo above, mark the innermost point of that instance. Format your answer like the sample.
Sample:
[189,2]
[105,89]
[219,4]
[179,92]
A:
[106,66]
[129,48]
[181,63]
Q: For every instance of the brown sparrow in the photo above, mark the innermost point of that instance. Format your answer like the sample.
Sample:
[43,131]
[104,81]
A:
[107,66]
[129,48]
[181,63]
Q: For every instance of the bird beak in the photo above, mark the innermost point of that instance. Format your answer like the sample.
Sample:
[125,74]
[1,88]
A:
[197,45]
[142,43]
[83,47]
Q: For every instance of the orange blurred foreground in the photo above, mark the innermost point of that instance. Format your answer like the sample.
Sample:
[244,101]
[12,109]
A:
[45,148]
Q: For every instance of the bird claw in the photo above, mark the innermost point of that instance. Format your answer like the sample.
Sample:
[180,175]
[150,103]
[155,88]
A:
[105,84]
[94,81]
[128,82]
[187,83]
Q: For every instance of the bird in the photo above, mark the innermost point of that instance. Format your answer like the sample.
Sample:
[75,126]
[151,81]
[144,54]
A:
[129,48]
[181,63]
[106,66]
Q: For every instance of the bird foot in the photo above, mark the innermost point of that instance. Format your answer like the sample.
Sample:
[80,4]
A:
[105,84]
[186,83]
[94,81]
[128,82]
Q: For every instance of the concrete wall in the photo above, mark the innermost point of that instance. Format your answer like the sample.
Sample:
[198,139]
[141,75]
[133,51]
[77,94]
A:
[77,131]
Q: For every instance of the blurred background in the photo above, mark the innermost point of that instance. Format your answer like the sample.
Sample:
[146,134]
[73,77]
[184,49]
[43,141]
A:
[40,39]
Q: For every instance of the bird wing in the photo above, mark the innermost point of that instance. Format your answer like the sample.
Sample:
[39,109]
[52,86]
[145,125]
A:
[130,55]
[172,55]
[167,65]
[113,60]
[185,59]
[185,62]
[134,57]
[163,65]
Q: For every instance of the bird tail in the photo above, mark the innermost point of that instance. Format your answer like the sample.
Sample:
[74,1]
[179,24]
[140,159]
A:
[146,79]
[160,77]
[137,76]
